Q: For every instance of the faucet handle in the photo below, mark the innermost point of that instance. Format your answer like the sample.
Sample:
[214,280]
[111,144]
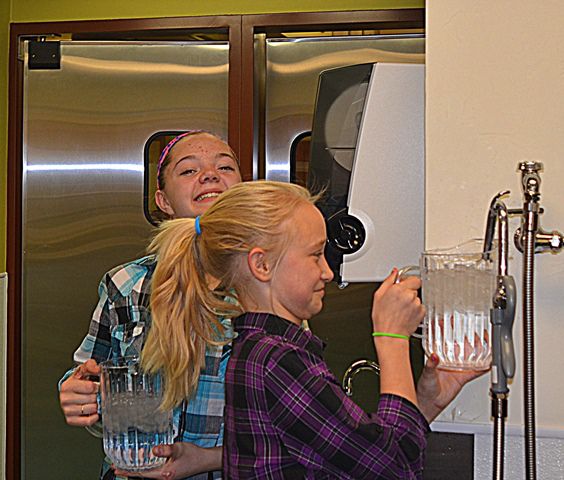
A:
[353,369]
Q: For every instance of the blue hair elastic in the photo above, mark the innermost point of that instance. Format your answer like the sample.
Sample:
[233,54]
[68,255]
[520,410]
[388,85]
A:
[197,225]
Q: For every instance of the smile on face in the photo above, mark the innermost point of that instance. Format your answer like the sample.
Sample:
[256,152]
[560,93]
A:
[201,167]
[298,285]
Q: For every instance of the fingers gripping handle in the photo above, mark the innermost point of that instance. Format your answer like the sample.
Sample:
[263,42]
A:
[405,272]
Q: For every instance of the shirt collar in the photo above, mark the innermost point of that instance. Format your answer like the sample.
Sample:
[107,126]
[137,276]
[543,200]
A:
[274,325]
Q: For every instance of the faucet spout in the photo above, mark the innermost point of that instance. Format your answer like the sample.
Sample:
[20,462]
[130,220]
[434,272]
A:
[493,213]
[353,369]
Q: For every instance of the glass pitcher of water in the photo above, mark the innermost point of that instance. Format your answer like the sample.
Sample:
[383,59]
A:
[133,422]
[458,286]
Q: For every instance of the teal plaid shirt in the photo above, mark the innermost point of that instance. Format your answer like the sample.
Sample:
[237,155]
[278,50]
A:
[119,328]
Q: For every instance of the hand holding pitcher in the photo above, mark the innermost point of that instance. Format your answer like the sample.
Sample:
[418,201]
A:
[396,308]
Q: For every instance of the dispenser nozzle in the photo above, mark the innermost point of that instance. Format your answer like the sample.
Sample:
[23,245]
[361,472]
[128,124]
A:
[493,212]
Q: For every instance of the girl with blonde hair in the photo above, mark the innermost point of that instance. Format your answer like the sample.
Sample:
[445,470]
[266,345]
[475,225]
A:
[257,254]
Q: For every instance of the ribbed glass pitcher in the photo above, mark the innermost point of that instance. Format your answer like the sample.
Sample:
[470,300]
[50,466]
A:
[132,418]
[458,286]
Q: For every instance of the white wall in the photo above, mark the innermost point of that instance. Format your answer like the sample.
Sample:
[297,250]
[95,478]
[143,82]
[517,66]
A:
[495,96]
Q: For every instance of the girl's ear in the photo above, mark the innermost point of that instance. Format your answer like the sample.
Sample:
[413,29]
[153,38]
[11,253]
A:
[259,265]
[163,203]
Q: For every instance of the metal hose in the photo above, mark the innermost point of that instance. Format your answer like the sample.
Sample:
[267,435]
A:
[499,437]
[529,352]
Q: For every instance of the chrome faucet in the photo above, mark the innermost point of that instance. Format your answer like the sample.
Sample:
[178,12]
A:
[544,241]
[502,316]
[529,239]
[354,368]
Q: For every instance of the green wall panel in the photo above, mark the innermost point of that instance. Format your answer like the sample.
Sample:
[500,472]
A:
[42,10]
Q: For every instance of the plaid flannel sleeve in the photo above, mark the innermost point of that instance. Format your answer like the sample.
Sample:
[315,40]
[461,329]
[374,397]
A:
[97,343]
[323,427]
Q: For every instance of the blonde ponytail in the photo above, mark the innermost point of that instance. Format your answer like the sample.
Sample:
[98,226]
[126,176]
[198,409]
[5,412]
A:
[184,312]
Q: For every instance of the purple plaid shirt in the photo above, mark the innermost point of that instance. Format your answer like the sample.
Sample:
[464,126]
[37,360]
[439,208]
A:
[287,417]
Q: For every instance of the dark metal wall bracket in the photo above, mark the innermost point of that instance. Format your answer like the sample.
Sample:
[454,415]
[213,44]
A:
[44,55]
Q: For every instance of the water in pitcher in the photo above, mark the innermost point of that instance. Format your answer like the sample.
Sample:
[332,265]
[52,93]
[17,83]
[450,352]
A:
[458,288]
[133,422]
[132,427]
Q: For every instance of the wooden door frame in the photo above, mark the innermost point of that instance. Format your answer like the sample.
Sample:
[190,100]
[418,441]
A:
[241,30]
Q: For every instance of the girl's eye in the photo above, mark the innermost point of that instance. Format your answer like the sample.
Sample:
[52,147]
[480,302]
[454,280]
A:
[188,171]
[227,168]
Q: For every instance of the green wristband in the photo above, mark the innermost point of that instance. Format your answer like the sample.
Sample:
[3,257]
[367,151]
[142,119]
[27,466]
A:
[393,335]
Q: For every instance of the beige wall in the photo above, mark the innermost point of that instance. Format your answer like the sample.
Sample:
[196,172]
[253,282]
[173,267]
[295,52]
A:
[495,83]
[55,10]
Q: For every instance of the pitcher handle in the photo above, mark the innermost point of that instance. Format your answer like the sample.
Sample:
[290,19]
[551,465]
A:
[402,272]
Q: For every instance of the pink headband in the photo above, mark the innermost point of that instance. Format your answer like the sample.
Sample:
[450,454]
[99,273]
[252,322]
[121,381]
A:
[169,145]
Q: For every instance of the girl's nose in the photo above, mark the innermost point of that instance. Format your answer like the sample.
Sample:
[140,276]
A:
[209,175]
[326,272]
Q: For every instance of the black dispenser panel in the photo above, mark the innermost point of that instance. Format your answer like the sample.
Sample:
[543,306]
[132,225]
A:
[341,94]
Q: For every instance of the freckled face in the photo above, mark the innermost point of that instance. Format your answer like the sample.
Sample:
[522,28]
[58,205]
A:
[298,286]
[201,167]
